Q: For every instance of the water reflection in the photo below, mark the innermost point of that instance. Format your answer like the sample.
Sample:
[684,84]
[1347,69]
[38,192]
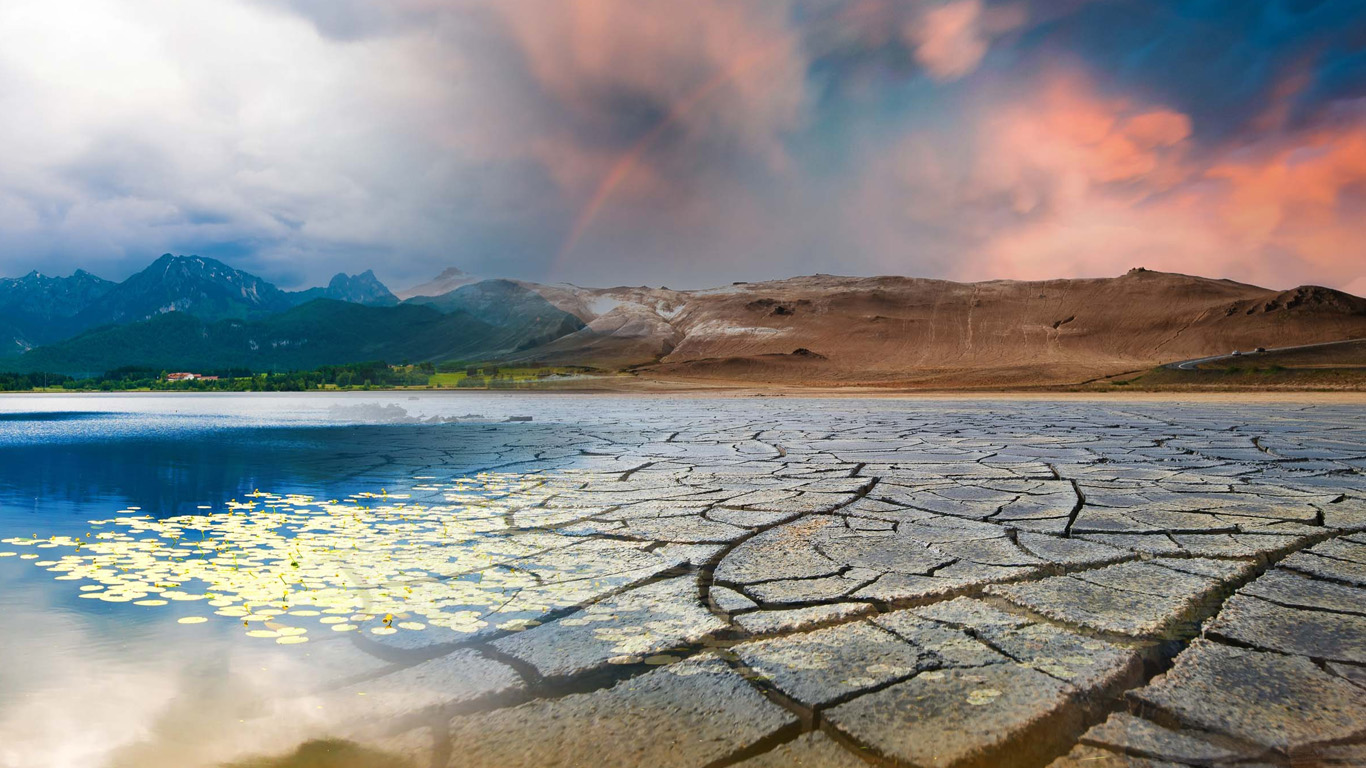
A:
[178,472]
[140,669]
[154,700]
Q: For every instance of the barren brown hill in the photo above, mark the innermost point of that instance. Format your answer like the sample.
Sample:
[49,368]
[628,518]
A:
[935,332]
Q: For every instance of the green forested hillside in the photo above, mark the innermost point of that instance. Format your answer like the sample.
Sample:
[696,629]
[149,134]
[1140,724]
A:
[524,316]
[318,333]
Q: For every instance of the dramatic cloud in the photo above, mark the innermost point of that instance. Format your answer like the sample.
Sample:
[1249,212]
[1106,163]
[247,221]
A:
[652,141]
[1123,186]
[154,126]
[659,108]
[1063,180]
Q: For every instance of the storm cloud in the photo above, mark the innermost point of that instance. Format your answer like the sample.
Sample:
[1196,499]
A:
[687,144]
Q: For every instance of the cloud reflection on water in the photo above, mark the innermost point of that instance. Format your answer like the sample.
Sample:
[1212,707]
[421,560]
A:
[151,701]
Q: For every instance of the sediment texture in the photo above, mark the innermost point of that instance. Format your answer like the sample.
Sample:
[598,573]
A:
[918,584]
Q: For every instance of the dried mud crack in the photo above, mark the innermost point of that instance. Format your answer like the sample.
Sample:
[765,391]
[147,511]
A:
[943,585]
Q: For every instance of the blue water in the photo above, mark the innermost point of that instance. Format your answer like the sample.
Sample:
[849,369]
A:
[173,455]
[78,676]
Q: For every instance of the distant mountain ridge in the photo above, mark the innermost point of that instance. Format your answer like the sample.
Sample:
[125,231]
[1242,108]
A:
[923,332]
[508,305]
[43,296]
[36,308]
[469,324]
[822,329]
[203,287]
[449,279]
[364,288]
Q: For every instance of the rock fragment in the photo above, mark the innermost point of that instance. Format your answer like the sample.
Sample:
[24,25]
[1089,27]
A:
[999,715]
[685,714]
[1276,701]
[816,668]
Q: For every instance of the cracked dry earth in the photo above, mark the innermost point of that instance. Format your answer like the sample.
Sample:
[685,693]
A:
[842,583]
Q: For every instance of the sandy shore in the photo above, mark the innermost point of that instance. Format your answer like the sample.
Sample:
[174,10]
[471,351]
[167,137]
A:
[621,385]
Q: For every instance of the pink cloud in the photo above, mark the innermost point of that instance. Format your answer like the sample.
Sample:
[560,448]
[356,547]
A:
[1303,193]
[1060,145]
[1100,184]
[951,39]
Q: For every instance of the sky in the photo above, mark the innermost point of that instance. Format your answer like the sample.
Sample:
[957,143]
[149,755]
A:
[687,144]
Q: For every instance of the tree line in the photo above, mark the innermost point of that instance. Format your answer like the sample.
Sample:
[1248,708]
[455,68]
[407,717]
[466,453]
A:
[351,375]
[375,374]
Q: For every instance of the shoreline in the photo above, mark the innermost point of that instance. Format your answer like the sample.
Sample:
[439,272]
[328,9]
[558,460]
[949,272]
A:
[686,389]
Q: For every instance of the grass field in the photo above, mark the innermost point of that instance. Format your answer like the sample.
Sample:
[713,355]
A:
[497,378]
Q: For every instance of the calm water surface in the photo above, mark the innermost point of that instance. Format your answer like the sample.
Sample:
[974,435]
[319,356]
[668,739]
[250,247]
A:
[86,682]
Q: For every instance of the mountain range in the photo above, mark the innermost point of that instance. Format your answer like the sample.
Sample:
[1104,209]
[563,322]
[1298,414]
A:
[191,312]
[37,309]
[194,312]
